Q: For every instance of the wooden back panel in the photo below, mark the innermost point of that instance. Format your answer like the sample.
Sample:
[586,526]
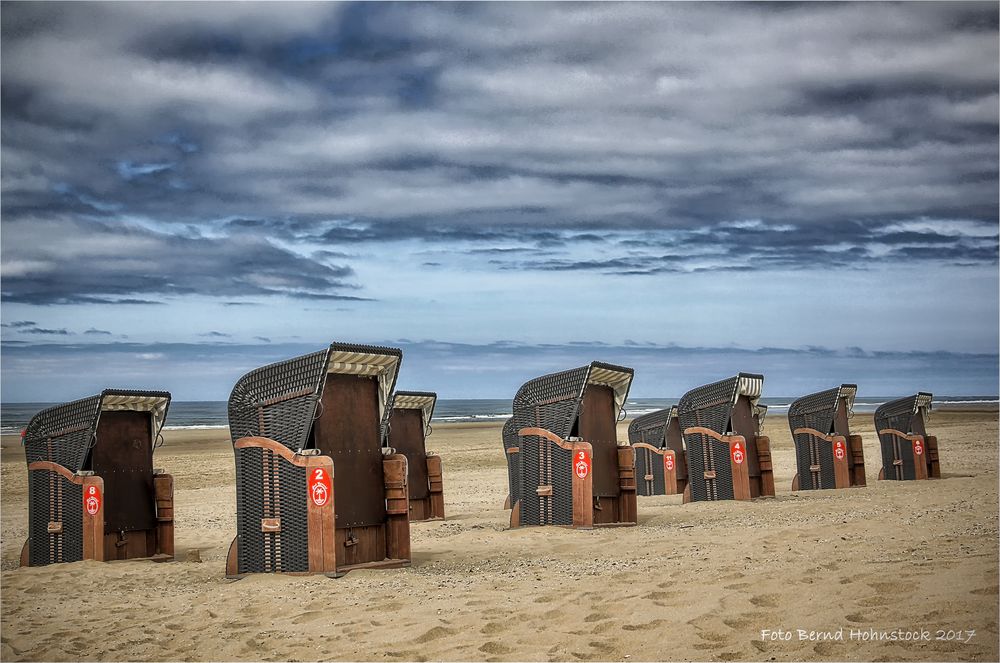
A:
[348,431]
[123,457]
[743,423]
[597,425]
[406,436]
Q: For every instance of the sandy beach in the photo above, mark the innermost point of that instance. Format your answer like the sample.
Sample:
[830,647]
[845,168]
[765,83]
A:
[691,582]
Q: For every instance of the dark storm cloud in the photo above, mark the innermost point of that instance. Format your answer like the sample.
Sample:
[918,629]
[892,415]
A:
[90,261]
[464,123]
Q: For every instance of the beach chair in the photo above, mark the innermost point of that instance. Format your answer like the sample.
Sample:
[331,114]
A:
[908,452]
[727,456]
[92,490]
[510,450]
[409,425]
[570,468]
[316,492]
[826,454]
[660,461]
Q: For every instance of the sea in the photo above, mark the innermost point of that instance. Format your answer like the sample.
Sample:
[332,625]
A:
[212,414]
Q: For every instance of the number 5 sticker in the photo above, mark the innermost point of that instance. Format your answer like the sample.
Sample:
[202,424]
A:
[320,486]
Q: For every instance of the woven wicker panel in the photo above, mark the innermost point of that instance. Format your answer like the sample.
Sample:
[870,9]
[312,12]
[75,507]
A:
[513,461]
[551,401]
[650,428]
[279,400]
[706,453]
[52,498]
[63,434]
[250,509]
[543,463]
[648,462]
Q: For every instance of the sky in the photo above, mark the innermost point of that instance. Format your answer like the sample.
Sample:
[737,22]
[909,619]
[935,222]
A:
[192,190]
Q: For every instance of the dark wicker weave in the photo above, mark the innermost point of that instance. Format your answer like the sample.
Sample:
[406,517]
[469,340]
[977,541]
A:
[555,402]
[711,406]
[817,411]
[281,402]
[510,440]
[906,415]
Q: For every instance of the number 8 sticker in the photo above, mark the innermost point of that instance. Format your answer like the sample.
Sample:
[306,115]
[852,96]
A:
[320,486]
[92,500]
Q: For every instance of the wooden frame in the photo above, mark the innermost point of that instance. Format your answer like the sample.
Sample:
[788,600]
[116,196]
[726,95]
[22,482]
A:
[93,524]
[739,450]
[587,513]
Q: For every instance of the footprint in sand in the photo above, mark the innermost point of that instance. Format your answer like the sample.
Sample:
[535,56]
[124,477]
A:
[856,617]
[435,633]
[308,616]
[825,648]
[492,628]
[494,647]
[873,601]
[765,600]
[738,585]
[985,591]
[659,596]
[596,617]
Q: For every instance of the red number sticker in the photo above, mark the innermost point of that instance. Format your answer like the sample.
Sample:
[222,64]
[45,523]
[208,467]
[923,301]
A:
[918,447]
[668,461]
[92,500]
[838,450]
[739,454]
[582,464]
[320,486]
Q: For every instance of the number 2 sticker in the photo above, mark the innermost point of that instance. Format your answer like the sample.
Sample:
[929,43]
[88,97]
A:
[320,486]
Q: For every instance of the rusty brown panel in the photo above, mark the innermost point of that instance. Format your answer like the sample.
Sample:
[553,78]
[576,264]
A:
[598,426]
[743,423]
[675,441]
[406,436]
[917,425]
[348,431]
[123,457]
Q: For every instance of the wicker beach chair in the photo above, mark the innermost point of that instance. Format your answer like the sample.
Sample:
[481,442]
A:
[826,454]
[726,455]
[908,452]
[409,425]
[293,424]
[511,452]
[570,468]
[92,489]
[660,461]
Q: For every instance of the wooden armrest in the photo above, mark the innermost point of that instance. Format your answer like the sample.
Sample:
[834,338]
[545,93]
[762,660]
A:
[547,434]
[277,447]
[514,450]
[726,439]
[816,433]
[899,433]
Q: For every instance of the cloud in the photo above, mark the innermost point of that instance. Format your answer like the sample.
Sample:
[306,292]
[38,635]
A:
[215,334]
[97,332]
[62,260]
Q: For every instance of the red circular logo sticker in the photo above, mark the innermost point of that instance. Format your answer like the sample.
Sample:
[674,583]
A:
[320,486]
[581,465]
[668,461]
[92,500]
[739,454]
[918,447]
[838,450]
